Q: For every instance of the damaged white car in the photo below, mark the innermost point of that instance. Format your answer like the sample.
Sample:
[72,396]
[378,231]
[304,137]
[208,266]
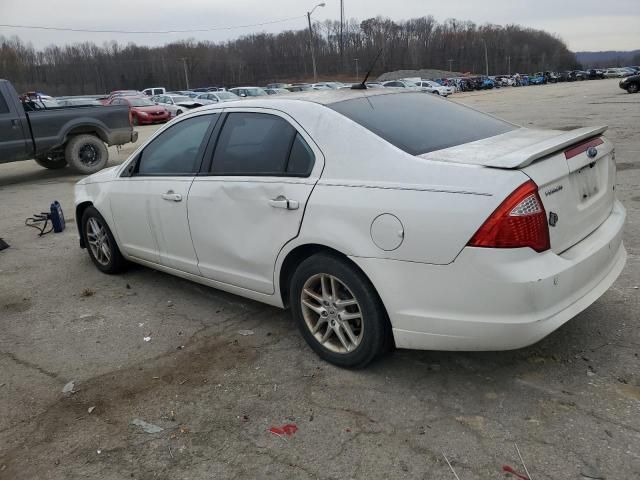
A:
[377,216]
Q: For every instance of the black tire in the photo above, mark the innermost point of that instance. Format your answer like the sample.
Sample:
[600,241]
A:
[86,154]
[135,121]
[632,88]
[372,326]
[116,262]
[51,163]
[178,112]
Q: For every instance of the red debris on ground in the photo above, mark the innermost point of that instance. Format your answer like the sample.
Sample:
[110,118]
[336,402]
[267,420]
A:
[508,469]
[288,429]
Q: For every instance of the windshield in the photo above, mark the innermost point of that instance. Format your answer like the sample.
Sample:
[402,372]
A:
[419,123]
[256,92]
[181,99]
[141,102]
[226,96]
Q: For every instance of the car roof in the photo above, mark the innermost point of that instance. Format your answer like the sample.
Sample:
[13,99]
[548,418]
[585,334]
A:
[321,97]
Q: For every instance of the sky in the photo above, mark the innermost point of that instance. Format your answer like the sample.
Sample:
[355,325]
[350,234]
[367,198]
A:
[591,25]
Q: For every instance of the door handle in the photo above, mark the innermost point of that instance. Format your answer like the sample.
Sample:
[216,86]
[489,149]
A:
[14,123]
[172,196]
[283,202]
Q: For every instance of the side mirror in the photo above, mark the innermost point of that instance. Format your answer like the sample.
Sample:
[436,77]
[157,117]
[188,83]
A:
[243,94]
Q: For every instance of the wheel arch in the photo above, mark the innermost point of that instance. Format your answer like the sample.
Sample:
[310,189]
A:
[80,209]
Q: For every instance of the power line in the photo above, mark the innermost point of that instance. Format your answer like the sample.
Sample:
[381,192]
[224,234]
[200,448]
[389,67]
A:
[195,30]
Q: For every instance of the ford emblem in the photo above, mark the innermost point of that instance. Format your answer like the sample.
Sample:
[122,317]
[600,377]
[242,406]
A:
[592,152]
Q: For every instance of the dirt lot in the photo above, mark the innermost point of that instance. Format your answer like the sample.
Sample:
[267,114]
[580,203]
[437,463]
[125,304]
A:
[570,402]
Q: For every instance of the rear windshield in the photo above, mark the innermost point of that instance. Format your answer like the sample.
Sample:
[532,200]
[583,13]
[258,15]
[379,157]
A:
[420,122]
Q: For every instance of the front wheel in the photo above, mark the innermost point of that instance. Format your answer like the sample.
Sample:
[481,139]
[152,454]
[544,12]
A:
[86,154]
[633,88]
[100,243]
[338,311]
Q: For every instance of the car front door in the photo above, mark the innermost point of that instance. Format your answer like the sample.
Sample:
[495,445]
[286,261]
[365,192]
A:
[149,200]
[251,200]
[13,133]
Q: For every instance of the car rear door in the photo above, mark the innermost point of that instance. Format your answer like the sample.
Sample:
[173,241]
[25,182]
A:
[250,201]
[149,202]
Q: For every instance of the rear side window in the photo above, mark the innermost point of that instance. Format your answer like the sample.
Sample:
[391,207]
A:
[176,151]
[260,144]
[4,108]
[420,123]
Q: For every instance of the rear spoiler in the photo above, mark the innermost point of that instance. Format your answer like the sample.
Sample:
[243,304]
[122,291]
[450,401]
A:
[518,148]
[531,153]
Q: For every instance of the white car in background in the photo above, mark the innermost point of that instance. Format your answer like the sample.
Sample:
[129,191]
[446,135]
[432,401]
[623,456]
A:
[216,97]
[249,92]
[375,215]
[402,84]
[176,104]
[434,87]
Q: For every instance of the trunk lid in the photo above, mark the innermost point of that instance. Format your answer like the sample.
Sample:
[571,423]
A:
[576,185]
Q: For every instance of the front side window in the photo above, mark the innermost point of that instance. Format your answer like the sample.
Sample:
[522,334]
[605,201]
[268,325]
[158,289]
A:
[260,144]
[176,151]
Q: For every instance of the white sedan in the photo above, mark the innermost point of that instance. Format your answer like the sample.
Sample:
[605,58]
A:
[377,216]
[176,104]
[434,87]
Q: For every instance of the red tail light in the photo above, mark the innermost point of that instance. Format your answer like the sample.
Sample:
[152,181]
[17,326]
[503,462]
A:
[520,221]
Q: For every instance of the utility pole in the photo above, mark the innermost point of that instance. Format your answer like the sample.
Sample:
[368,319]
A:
[450,64]
[357,69]
[509,63]
[186,73]
[313,53]
[341,30]
[486,58]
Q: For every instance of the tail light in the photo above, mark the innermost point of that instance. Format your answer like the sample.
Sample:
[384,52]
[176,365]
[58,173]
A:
[520,221]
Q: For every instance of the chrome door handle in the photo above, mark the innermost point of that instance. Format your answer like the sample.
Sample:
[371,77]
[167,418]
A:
[172,196]
[283,202]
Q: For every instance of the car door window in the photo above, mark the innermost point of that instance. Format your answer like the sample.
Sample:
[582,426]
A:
[4,108]
[176,151]
[262,145]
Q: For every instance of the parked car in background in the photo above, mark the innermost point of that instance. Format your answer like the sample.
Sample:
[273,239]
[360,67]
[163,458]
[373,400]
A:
[434,87]
[331,85]
[143,110]
[537,79]
[176,104]
[78,102]
[150,92]
[301,87]
[215,97]
[278,85]
[264,201]
[631,84]
[594,74]
[276,91]
[59,137]
[122,93]
[614,73]
[402,84]
[248,91]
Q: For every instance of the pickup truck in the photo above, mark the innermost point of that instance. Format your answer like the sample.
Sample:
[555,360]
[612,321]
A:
[59,136]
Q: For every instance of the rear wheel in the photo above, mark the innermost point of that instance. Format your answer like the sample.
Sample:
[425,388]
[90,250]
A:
[338,311]
[100,243]
[86,154]
[135,121]
[52,161]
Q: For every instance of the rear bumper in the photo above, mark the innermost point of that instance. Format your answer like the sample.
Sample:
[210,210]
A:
[122,136]
[497,299]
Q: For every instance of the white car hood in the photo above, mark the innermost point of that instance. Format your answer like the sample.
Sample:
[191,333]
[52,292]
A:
[515,149]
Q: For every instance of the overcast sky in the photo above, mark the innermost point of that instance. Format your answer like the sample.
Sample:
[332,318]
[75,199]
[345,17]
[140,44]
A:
[583,24]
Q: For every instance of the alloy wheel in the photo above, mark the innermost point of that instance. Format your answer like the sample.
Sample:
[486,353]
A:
[98,241]
[332,313]
[89,155]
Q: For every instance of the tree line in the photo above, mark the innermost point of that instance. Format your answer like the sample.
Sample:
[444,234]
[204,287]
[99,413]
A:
[86,68]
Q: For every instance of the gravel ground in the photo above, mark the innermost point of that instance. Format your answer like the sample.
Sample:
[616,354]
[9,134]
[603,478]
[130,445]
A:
[571,402]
